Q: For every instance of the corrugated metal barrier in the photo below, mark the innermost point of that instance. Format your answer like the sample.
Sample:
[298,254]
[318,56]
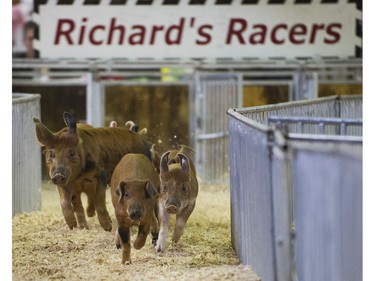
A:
[26,159]
[296,195]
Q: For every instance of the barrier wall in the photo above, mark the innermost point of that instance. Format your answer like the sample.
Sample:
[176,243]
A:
[296,199]
[26,154]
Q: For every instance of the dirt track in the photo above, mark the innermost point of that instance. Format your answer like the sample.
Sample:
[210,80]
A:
[44,248]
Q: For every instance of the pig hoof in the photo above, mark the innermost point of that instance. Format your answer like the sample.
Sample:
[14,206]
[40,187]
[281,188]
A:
[83,226]
[118,246]
[90,213]
[159,249]
[109,228]
[128,262]
[106,226]
[72,225]
[139,244]
[154,238]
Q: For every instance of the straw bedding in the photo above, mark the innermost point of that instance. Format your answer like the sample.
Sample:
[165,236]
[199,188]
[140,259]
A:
[44,248]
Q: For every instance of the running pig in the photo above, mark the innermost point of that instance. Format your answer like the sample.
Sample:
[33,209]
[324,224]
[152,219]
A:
[134,186]
[178,192]
[81,158]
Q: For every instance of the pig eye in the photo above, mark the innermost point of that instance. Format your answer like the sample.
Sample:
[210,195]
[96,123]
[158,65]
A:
[51,155]
[184,188]
[164,188]
[126,194]
[71,153]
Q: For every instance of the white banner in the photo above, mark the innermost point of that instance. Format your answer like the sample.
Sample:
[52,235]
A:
[197,31]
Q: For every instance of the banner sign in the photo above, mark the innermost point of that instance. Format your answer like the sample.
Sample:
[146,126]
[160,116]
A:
[208,31]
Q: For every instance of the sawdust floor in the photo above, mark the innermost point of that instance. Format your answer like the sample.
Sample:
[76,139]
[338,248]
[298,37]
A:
[44,248]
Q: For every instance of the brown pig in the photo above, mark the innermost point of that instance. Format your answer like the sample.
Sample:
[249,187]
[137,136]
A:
[134,186]
[178,192]
[81,158]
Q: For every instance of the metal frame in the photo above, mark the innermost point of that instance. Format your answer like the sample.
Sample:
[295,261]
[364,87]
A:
[95,76]
[340,125]
[266,179]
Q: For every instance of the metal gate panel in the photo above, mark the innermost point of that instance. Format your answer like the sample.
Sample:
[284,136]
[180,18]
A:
[251,196]
[328,212]
[26,160]
[215,94]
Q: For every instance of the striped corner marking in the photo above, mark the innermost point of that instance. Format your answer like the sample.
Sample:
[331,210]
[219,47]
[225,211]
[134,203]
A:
[358,32]
[358,27]
[190,2]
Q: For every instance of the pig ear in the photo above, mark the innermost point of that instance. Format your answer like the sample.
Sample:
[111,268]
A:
[155,158]
[150,190]
[153,153]
[120,191]
[44,135]
[164,162]
[70,122]
[113,124]
[185,166]
[134,128]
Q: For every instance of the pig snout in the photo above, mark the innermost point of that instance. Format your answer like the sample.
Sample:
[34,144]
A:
[136,215]
[59,177]
[172,206]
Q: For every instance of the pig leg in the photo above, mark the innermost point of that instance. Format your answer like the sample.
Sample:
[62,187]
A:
[90,210]
[66,206]
[164,221]
[78,209]
[181,220]
[143,231]
[101,209]
[118,240]
[123,238]
[89,188]
[154,229]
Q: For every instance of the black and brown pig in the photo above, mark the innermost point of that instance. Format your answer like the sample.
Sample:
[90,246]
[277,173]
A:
[134,190]
[81,158]
[178,192]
